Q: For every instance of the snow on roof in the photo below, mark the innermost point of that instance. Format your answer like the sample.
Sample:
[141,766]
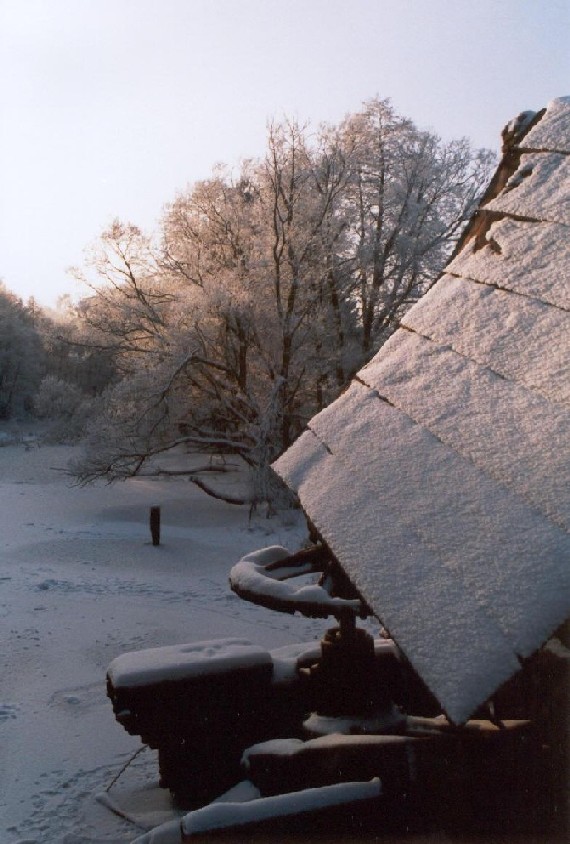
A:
[546,275]
[540,188]
[441,478]
[552,133]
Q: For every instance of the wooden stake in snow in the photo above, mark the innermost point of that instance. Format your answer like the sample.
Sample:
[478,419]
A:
[155,525]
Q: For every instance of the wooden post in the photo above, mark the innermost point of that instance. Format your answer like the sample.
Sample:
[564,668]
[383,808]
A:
[155,525]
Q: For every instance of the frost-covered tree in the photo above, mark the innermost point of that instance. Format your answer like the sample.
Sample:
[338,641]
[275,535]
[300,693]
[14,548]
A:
[268,287]
[63,408]
[408,197]
[127,313]
[72,355]
[22,359]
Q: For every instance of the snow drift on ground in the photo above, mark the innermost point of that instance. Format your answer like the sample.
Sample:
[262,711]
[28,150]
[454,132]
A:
[81,583]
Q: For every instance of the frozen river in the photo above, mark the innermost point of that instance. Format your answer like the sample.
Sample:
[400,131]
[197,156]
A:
[80,583]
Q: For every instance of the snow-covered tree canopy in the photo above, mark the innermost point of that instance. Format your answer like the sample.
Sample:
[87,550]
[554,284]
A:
[21,355]
[267,288]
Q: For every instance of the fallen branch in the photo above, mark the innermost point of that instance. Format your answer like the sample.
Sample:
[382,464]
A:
[176,473]
[229,499]
[129,762]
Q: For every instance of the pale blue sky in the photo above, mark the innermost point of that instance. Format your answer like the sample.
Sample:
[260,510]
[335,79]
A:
[108,107]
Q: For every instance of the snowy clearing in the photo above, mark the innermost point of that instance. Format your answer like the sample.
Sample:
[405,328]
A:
[81,583]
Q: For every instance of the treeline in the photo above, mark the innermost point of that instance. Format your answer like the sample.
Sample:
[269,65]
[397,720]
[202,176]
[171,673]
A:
[266,287]
[44,373]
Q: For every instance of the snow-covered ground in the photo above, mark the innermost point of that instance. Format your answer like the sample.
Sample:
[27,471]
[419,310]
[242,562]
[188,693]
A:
[81,583]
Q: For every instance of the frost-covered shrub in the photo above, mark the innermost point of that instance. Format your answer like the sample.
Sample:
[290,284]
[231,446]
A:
[269,492]
[64,407]
[56,398]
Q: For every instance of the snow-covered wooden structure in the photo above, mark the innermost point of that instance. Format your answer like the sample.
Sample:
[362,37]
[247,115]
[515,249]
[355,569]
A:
[440,479]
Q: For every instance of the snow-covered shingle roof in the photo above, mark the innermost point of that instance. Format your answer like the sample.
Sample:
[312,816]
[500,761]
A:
[441,478]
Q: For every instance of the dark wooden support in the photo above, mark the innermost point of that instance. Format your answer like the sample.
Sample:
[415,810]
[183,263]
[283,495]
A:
[155,525]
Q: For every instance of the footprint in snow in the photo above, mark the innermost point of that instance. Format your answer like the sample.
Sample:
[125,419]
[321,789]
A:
[7,712]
